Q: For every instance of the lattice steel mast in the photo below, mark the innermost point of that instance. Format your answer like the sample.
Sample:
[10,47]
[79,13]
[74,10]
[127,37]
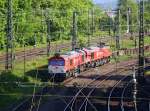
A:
[9,39]
[74,32]
[118,31]
[89,31]
[141,43]
[48,36]
[93,22]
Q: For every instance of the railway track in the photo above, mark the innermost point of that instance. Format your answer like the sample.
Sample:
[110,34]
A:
[114,92]
[124,95]
[97,83]
[85,103]
[34,52]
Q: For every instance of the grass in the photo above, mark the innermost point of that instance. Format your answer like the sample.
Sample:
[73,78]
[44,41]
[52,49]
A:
[127,57]
[121,58]
[127,43]
[147,73]
[13,92]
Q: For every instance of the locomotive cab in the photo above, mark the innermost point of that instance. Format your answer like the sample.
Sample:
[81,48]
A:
[56,67]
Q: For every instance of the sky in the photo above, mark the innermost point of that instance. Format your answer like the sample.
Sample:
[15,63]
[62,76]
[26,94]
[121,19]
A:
[107,4]
[104,1]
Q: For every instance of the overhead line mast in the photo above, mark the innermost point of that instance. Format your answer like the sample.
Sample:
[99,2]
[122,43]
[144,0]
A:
[89,29]
[9,38]
[48,36]
[141,44]
[74,32]
[93,22]
[118,31]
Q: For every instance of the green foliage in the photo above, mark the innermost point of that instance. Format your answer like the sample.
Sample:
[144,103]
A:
[123,5]
[30,19]
[82,42]
[147,16]
[106,23]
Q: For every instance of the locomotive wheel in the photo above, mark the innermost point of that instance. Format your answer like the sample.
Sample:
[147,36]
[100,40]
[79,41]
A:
[89,65]
[96,63]
[109,59]
[71,73]
[76,74]
[99,63]
[103,61]
[78,70]
[93,64]
[67,74]
[82,68]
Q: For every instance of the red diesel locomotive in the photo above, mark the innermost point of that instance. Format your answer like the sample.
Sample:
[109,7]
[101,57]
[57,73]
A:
[74,62]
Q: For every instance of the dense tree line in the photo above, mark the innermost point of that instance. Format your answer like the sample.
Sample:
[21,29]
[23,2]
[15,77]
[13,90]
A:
[124,5]
[147,16]
[30,19]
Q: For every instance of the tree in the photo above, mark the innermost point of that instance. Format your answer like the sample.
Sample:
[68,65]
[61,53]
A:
[30,16]
[147,15]
[123,5]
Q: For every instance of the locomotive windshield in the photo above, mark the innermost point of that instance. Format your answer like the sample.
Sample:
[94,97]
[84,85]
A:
[57,62]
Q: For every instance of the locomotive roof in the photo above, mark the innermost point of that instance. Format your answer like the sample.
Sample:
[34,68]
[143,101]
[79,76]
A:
[69,54]
[92,48]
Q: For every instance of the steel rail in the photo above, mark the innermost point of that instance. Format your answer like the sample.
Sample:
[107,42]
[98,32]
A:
[122,95]
[78,94]
[73,100]
[95,88]
[115,86]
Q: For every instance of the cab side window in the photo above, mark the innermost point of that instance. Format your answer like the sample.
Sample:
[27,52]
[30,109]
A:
[82,58]
[71,62]
[92,55]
